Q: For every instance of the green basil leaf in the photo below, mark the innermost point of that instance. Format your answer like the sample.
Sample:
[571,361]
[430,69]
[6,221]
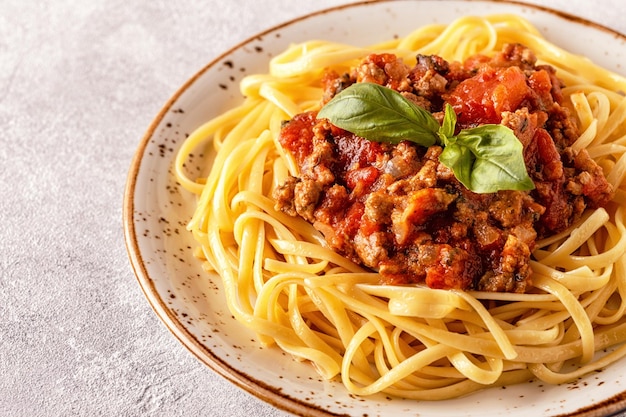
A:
[496,161]
[460,160]
[484,159]
[449,123]
[380,114]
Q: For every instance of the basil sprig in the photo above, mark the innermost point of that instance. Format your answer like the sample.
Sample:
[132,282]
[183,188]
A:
[485,159]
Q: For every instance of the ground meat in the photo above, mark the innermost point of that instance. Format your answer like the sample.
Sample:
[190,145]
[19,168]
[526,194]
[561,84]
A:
[514,54]
[384,69]
[511,274]
[398,210]
[428,80]
[334,84]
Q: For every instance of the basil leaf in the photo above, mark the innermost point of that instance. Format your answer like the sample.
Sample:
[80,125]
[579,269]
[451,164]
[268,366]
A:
[487,159]
[460,160]
[449,123]
[380,114]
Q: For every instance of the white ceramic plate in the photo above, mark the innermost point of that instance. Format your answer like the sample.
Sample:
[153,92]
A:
[191,303]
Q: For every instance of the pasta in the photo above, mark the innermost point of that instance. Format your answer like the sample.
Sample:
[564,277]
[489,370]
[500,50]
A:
[281,279]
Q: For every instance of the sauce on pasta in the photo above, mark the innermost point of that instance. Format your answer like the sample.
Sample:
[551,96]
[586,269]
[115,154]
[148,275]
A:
[398,210]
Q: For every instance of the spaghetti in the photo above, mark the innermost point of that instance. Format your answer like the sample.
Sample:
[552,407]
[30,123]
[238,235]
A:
[282,280]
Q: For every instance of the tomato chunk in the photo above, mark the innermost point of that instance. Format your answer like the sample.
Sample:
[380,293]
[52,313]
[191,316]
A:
[482,99]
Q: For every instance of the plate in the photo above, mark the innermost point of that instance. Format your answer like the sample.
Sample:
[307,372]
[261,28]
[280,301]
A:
[190,302]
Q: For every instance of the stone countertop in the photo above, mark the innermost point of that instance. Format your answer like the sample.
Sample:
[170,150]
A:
[80,81]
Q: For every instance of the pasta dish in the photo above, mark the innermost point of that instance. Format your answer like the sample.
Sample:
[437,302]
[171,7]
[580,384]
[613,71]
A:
[424,217]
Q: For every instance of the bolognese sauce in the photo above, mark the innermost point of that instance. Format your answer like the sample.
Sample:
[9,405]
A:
[396,209]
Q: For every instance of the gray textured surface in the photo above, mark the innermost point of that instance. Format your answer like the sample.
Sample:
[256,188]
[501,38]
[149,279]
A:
[80,82]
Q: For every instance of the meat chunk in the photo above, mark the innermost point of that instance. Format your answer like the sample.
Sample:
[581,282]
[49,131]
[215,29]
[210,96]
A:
[512,275]
[384,69]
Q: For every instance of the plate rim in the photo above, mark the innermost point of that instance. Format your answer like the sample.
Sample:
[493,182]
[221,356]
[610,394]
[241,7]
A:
[260,390]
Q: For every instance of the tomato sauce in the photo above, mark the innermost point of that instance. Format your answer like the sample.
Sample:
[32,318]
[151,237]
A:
[396,209]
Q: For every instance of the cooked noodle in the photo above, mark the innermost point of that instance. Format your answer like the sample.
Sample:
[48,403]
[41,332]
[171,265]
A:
[281,280]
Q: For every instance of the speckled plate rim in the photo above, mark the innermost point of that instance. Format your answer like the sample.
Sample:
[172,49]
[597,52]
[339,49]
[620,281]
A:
[607,407]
